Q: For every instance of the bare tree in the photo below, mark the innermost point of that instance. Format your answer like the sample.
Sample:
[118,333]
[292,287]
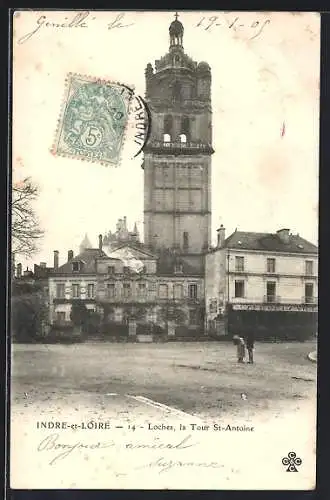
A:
[26,230]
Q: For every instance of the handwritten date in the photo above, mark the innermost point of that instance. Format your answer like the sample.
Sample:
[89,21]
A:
[209,23]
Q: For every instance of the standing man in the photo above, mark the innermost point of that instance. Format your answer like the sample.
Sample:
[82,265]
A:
[249,342]
[239,342]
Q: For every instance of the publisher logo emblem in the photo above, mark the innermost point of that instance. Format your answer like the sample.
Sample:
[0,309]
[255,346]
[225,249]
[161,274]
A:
[291,462]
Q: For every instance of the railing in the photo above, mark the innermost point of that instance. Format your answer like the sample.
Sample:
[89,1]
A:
[272,299]
[181,146]
[149,297]
[310,300]
[277,299]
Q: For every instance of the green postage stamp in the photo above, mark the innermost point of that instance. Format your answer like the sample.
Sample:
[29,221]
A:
[93,120]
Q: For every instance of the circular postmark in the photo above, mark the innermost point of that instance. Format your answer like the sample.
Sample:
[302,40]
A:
[139,124]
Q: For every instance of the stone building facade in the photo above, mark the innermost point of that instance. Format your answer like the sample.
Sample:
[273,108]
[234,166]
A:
[128,284]
[177,156]
[262,281]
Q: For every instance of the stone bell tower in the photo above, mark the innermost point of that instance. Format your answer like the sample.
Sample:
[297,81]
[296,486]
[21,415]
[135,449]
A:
[177,156]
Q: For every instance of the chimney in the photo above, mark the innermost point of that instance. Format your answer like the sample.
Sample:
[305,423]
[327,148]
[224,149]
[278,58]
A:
[56,253]
[43,265]
[221,236]
[70,255]
[100,242]
[19,271]
[284,235]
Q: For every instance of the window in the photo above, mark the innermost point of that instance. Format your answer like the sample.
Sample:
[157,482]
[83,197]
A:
[151,316]
[75,266]
[111,269]
[60,290]
[271,291]
[76,291]
[178,268]
[271,265]
[177,90]
[90,290]
[60,316]
[110,290]
[142,289]
[163,291]
[239,263]
[239,289]
[178,291]
[309,267]
[183,138]
[166,138]
[185,126]
[192,291]
[168,126]
[309,293]
[126,270]
[127,290]
[185,240]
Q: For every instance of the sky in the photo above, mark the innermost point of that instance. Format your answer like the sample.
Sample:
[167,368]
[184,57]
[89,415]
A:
[265,100]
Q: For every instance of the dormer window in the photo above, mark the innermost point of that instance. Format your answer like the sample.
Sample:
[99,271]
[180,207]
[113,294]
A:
[76,266]
[178,268]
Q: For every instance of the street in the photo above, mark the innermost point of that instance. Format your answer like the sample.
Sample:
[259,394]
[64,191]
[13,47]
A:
[200,379]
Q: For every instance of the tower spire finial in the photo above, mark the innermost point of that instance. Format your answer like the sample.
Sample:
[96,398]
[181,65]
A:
[176,32]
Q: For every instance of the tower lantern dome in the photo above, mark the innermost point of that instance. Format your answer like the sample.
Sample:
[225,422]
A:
[176,32]
[203,66]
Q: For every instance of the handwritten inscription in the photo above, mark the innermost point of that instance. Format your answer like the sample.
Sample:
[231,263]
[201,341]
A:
[84,19]
[80,20]
[158,445]
[165,465]
[63,449]
[52,442]
[234,24]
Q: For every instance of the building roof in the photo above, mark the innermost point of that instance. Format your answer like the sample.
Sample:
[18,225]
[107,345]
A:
[88,257]
[269,242]
[139,249]
[169,263]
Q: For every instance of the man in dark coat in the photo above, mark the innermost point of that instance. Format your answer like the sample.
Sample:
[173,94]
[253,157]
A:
[249,342]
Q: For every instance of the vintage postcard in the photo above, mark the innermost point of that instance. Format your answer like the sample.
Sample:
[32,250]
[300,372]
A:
[164,296]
